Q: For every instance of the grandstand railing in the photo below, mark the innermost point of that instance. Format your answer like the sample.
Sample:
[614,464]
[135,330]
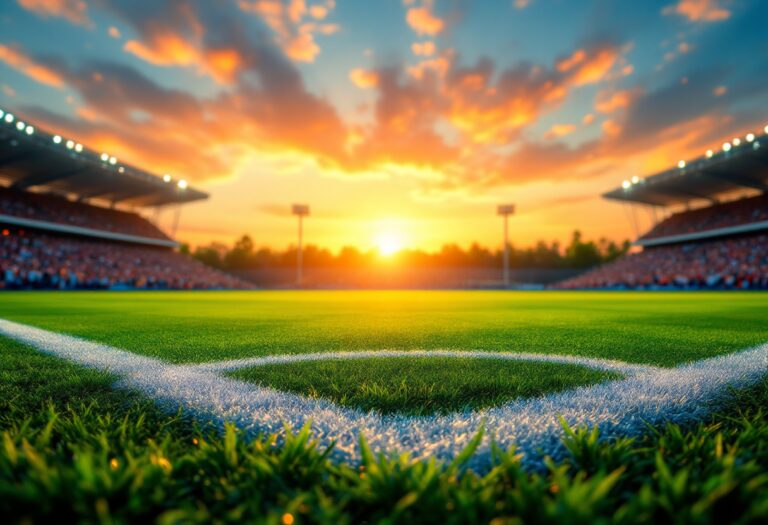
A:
[88,232]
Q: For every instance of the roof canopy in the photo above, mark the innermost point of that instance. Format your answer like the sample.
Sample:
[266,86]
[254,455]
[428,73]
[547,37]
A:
[739,165]
[30,157]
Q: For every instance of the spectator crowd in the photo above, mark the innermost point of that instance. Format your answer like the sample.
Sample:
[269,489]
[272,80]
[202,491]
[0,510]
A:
[40,261]
[732,263]
[744,211]
[50,208]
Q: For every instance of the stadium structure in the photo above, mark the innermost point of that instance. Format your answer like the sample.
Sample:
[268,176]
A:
[69,218]
[714,231]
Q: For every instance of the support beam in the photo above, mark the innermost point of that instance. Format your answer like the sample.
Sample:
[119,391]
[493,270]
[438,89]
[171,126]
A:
[44,178]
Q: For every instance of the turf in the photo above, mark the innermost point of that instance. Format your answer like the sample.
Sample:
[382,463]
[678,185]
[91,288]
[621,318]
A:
[74,451]
[663,329]
[421,386]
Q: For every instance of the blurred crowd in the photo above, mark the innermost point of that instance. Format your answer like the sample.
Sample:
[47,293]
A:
[51,208]
[39,261]
[733,263]
[753,209]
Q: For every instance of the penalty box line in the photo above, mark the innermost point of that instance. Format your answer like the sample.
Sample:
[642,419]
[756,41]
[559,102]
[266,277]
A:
[621,407]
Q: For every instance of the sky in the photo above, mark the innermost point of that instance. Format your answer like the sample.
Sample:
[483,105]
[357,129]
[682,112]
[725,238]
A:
[402,123]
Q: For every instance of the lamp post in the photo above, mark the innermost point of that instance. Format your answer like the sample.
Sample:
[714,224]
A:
[300,210]
[506,210]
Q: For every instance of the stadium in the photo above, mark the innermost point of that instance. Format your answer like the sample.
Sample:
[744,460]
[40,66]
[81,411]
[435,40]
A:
[151,372]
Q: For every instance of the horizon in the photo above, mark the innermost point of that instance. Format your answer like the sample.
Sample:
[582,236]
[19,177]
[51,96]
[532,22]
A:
[402,124]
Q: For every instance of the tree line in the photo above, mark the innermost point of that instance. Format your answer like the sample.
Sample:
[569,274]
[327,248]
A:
[578,253]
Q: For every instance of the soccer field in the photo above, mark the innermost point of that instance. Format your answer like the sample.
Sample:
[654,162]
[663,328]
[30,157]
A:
[411,372]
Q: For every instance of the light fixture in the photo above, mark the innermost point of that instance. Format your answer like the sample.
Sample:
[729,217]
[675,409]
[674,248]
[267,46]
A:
[166,178]
[635,179]
[30,130]
[112,160]
[736,141]
[710,153]
[9,118]
[104,157]
[681,164]
[20,125]
[750,137]
[182,184]
[57,139]
[2,113]
[78,147]
[765,129]
[726,146]
[121,169]
[626,184]
[70,144]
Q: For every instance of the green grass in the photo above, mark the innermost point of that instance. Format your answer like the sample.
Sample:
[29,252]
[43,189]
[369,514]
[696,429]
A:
[657,328]
[73,450]
[420,385]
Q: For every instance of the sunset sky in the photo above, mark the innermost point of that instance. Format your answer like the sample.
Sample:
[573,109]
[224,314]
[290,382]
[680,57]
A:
[401,122]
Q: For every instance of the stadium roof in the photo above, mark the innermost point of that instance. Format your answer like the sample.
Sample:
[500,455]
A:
[738,165]
[30,157]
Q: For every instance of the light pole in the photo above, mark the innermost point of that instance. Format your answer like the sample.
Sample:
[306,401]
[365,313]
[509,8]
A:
[300,210]
[506,210]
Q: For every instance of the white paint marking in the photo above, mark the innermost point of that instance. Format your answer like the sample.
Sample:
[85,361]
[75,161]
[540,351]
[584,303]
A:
[623,407]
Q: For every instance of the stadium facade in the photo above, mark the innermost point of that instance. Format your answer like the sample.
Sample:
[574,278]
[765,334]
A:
[714,230]
[69,218]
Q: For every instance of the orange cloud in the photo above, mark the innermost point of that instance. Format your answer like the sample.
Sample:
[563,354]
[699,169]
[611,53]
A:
[559,130]
[595,67]
[424,48]
[423,20]
[521,4]
[75,11]
[293,32]
[610,101]
[114,32]
[698,10]
[30,67]
[364,78]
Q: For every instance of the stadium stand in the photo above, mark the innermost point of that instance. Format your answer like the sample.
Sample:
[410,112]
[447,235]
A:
[52,238]
[721,245]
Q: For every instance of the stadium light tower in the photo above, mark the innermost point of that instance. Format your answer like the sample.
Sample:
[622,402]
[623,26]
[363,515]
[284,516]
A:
[506,210]
[300,210]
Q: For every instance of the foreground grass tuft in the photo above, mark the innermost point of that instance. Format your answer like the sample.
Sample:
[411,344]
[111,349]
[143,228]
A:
[99,456]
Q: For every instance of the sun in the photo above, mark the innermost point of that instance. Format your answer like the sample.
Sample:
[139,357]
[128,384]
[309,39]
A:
[389,243]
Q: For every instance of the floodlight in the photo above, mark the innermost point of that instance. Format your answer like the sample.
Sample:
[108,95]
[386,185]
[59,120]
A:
[756,145]
[104,157]
[113,160]
[726,146]
[70,144]
[166,178]
[30,130]
[736,141]
[57,139]
[120,169]
[681,164]
[626,184]
[750,137]
[20,125]
[182,184]
[635,179]
[765,129]
[78,147]
[300,209]
[506,210]
[709,153]
[2,113]
[9,119]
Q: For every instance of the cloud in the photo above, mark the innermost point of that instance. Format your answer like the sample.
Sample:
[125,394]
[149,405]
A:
[34,69]
[423,20]
[559,130]
[521,4]
[295,26]
[610,101]
[698,10]
[75,11]
[364,78]
[423,48]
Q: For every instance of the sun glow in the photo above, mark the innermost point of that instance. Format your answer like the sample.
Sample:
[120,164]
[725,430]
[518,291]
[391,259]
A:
[389,243]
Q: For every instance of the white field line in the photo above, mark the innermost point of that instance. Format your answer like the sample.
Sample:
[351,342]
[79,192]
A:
[619,408]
